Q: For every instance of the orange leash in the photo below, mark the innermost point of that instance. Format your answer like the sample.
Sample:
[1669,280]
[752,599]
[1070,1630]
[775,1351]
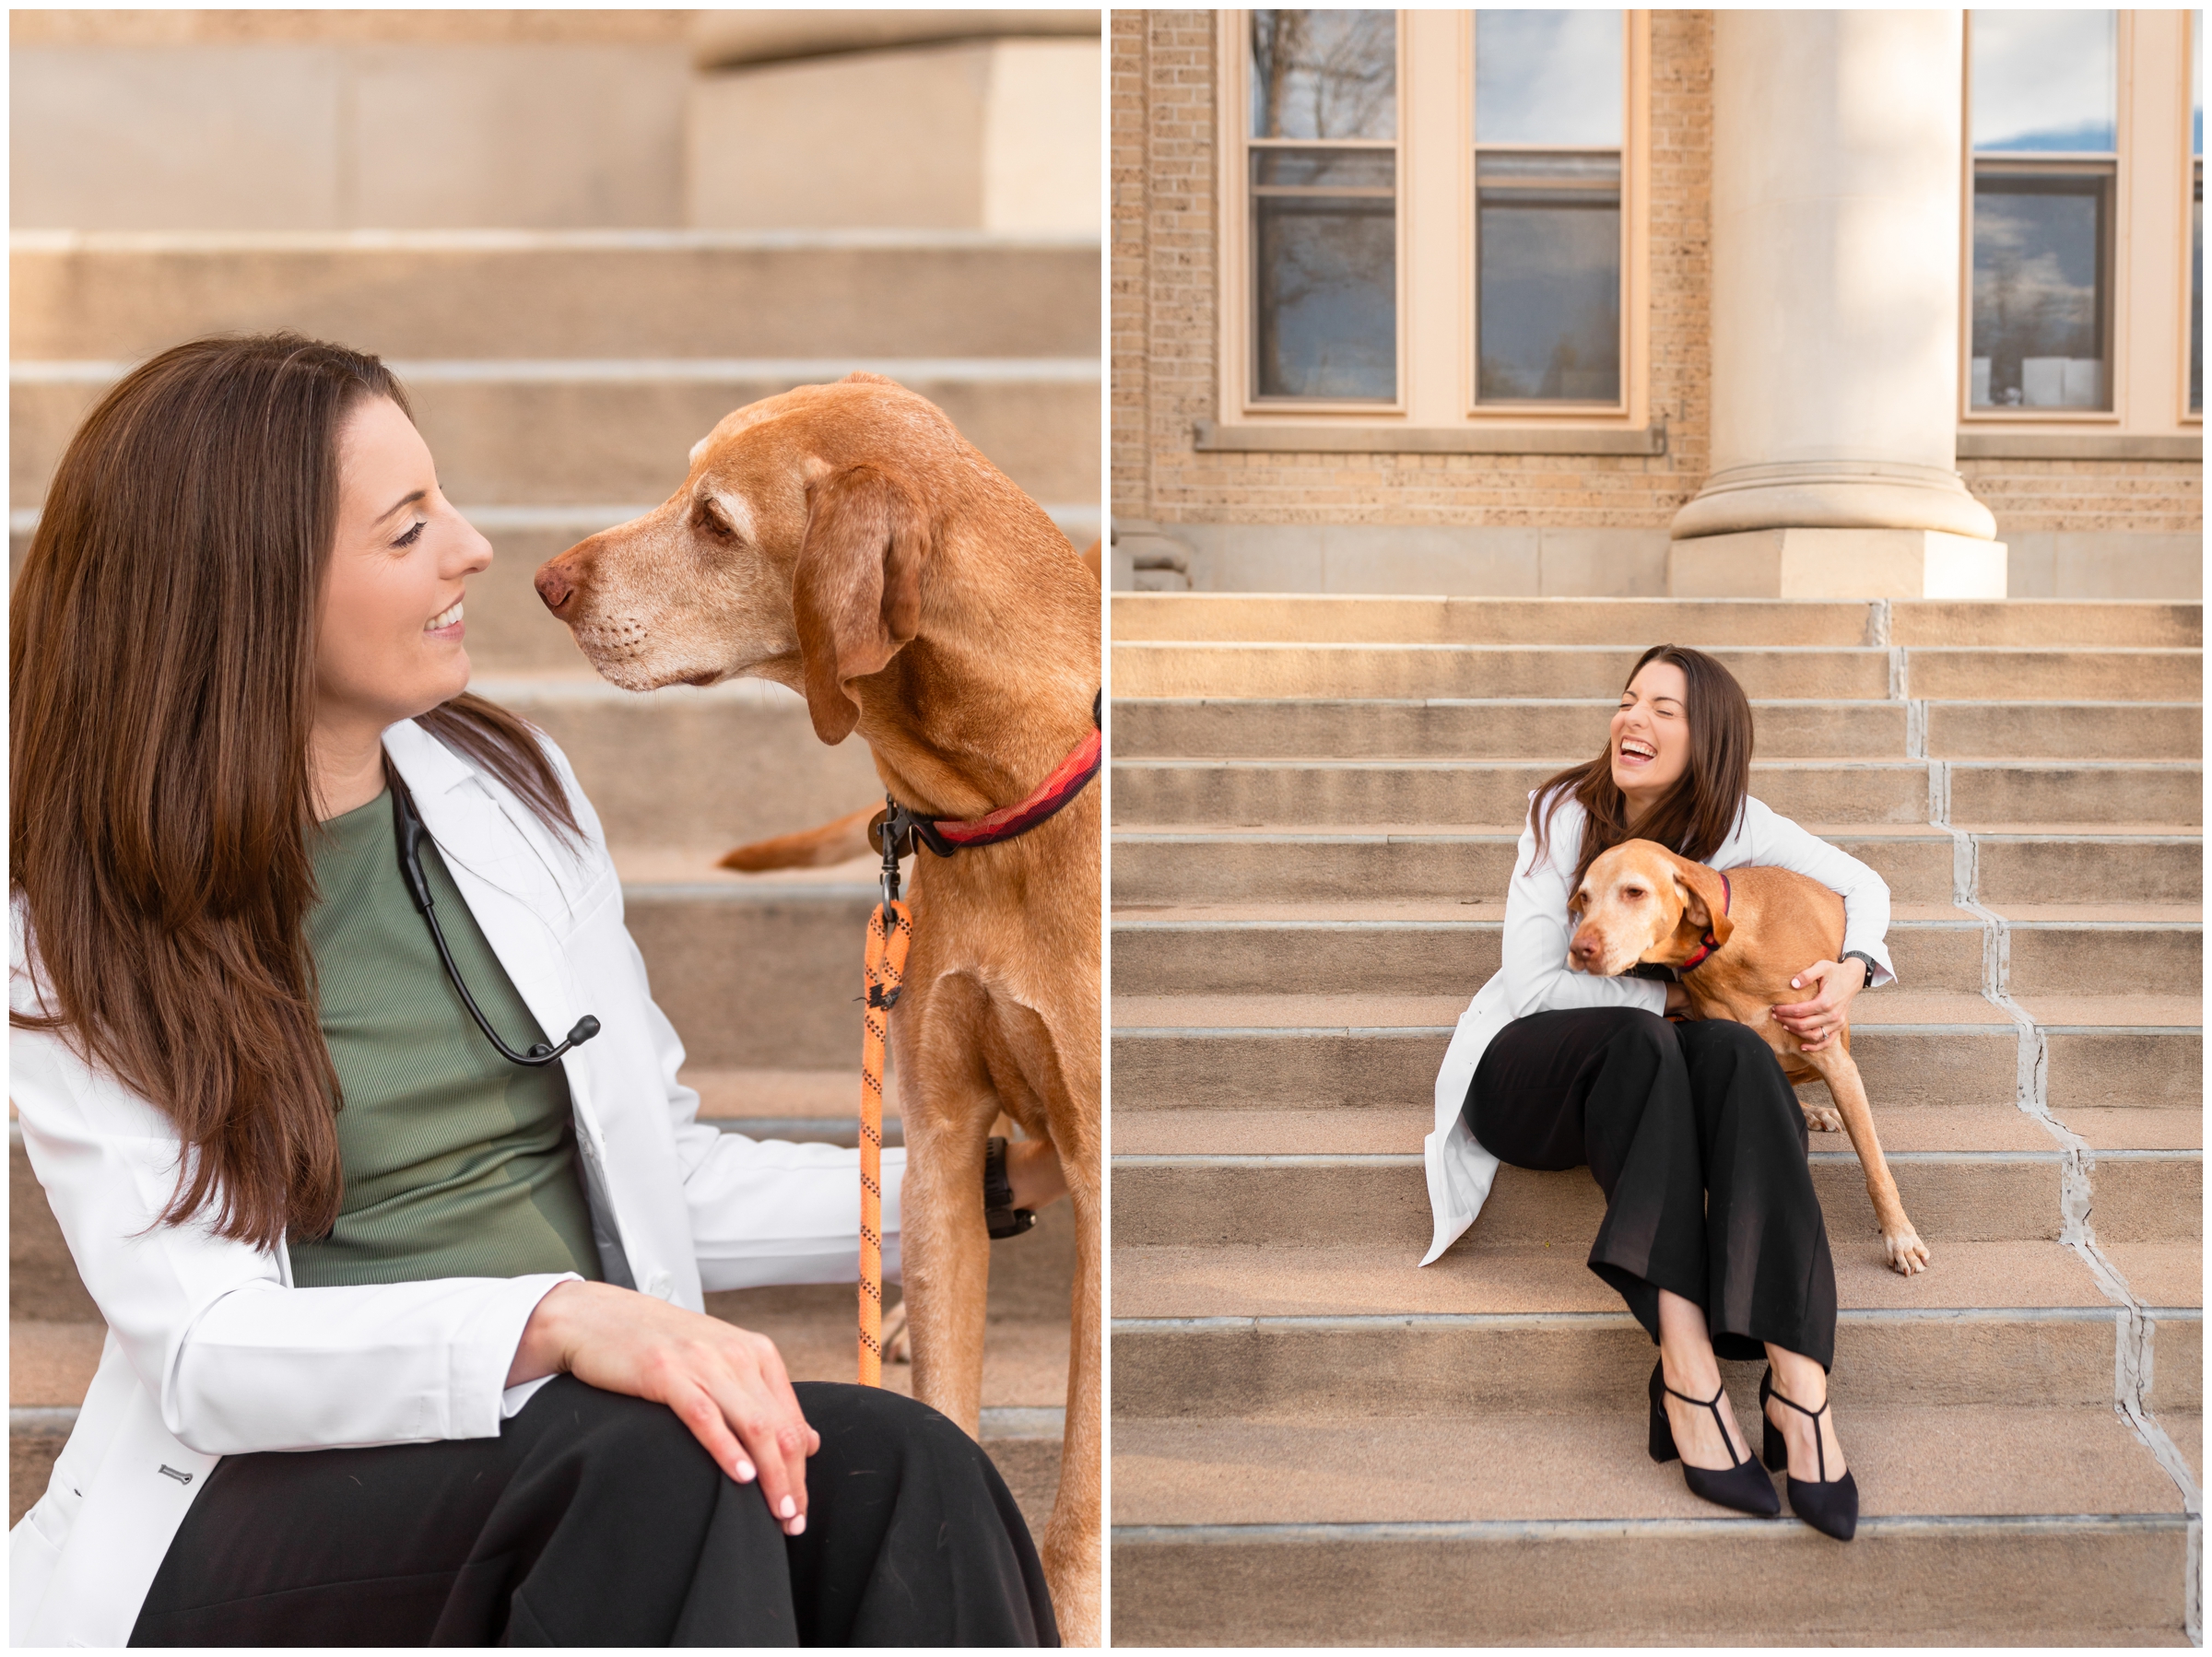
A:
[886,971]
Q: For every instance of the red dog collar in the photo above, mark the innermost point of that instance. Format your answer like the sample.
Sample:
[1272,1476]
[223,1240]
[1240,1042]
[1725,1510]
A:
[947,835]
[1710,943]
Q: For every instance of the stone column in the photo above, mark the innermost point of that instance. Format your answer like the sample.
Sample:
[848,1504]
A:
[1836,249]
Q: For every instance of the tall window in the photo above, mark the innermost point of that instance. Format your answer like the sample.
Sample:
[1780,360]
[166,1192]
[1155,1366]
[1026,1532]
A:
[2043,92]
[1325,223]
[1548,90]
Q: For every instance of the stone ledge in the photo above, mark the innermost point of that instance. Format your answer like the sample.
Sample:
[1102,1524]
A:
[2079,446]
[1210,436]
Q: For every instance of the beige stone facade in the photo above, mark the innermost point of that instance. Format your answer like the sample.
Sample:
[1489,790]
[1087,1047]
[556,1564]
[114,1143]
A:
[2114,514]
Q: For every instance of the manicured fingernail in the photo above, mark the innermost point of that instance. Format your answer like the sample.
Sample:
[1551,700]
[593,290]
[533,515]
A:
[789,1508]
[797,1527]
[744,1472]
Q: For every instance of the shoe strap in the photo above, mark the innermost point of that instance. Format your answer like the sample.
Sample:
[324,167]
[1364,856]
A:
[1819,1447]
[1712,1403]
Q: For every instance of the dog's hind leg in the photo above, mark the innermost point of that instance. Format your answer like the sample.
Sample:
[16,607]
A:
[1070,1554]
[1900,1243]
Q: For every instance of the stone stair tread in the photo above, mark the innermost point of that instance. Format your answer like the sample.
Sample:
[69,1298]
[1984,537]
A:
[2076,914]
[50,1365]
[2135,1127]
[1394,1128]
[1511,831]
[2160,1274]
[1381,1280]
[2023,830]
[789,1095]
[2186,1429]
[1883,1008]
[2115,1012]
[1957,1460]
[1357,912]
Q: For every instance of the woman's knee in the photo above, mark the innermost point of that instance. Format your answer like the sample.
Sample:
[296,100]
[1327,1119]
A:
[1647,1034]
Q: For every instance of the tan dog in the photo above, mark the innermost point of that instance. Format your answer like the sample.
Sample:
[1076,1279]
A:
[1641,902]
[845,541]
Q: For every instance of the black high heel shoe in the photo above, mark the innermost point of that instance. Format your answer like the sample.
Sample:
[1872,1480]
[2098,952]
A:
[1831,1505]
[1742,1485]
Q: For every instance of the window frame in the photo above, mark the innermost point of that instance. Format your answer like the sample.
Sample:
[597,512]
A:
[2147,328]
[1436,259]
[1472,149]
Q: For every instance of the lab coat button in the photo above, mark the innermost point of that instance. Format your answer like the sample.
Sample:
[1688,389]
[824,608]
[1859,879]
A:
[658,1285]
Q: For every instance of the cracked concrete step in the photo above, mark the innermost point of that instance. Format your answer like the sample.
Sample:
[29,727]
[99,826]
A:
[1174,864]
[1980,1524]
[1511,728]
[1912,1047]
[1402,671]
[1840,791]
[590,294]
[570,436]
[1706,623]
[1277,1332]
[1331,1200]
[1407,950]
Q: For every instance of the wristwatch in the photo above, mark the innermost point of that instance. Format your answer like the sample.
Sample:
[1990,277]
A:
[1860,955]
[999,1213]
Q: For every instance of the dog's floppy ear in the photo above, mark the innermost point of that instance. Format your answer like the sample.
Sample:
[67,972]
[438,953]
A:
[1704,900]
[858,592]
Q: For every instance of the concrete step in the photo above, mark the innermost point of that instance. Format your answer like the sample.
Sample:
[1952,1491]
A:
[684,774]
[1413,670]
[1332,1200]
[581,294]
[1252,792]
[1981,1525]
[1275,1332]
[1507,728]
[1408,949]
[1705,623]
[1299,863]
[1913,1048]
[579,433]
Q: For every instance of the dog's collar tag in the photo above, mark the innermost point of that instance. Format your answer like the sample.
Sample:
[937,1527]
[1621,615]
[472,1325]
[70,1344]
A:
[1710,943]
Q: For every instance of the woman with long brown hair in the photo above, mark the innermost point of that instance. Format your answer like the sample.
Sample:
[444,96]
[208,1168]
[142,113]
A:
[295,921]
[1712,1232]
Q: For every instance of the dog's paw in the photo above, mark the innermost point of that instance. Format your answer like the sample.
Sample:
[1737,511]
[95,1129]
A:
[896,1348]
[1908,1256]
[1823,1118]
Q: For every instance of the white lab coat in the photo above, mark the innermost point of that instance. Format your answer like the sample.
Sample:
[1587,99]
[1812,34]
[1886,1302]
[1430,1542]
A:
[1534,976]
[212,1352]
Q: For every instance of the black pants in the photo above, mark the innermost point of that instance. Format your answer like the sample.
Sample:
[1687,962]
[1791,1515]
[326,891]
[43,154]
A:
[1698,1142]
[596,1518]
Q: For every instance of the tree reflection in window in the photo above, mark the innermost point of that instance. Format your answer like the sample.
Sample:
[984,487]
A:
[1323,184]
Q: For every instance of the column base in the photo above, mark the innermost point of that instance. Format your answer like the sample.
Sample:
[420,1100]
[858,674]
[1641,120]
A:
[1836,563]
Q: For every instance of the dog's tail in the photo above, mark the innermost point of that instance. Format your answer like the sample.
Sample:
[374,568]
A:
[810,848]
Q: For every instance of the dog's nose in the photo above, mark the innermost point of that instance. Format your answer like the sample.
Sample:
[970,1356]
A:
[553,586]
[1582,950]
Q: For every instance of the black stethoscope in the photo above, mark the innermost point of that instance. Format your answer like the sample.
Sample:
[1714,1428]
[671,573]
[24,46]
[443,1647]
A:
[410,836]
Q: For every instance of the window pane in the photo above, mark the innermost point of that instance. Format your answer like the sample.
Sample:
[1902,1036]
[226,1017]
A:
[1325,273]
[2196,295]
[1324,75]
[2040,291]
[2044,80]
[1547,78]
[1548,300]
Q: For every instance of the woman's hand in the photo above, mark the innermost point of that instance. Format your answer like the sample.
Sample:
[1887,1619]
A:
[1033,1173]
[726,1384]
[1816,1022]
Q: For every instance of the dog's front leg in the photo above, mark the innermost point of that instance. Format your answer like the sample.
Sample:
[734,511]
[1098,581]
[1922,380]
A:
[1906,1252]
[943,1242]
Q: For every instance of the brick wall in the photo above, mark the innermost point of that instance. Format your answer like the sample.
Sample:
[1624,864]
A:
[1165,327]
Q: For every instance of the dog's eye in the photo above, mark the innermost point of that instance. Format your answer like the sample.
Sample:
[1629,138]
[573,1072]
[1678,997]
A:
[706,517]
[1634,893]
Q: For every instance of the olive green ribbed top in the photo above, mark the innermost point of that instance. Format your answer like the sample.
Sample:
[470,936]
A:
[457,1162]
